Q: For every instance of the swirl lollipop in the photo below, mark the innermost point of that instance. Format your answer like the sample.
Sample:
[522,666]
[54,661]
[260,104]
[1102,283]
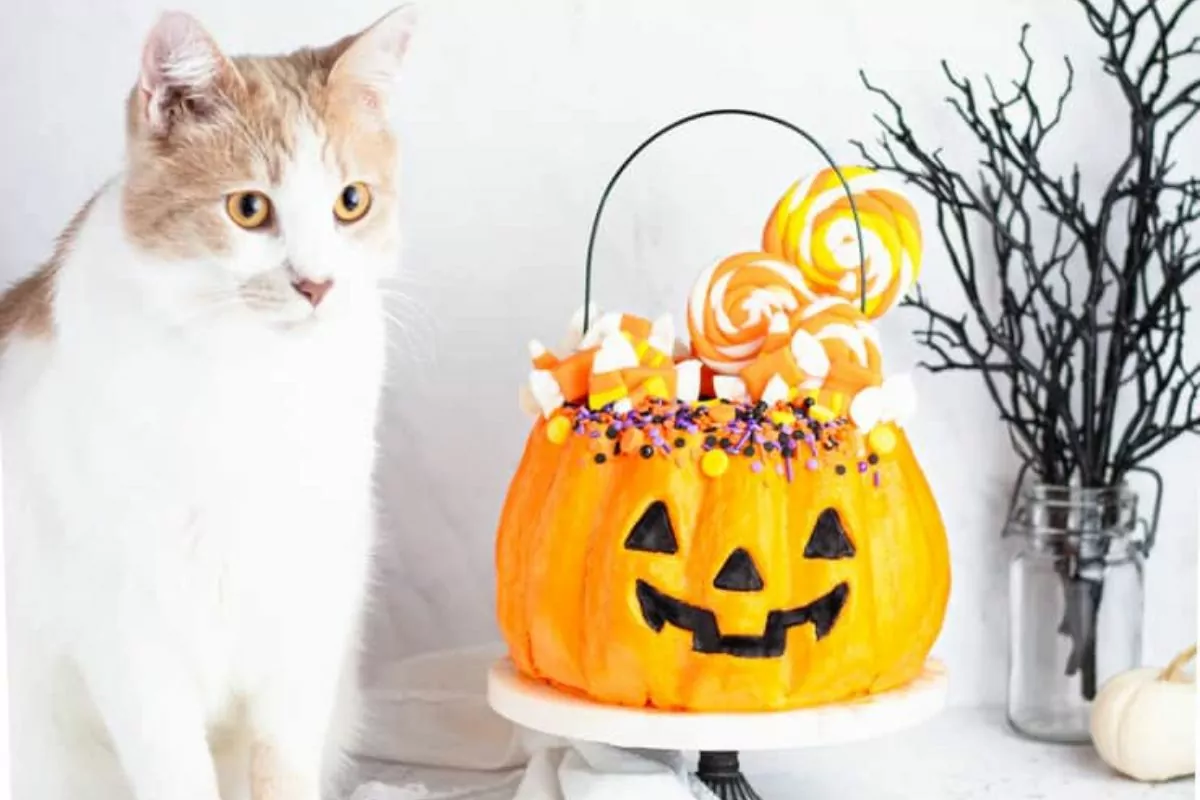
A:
[850,343]
[734,303]
[812,226]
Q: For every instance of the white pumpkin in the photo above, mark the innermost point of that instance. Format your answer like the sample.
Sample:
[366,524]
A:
[1144,721]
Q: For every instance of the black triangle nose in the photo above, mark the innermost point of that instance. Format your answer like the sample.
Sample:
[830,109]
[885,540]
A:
[739,574]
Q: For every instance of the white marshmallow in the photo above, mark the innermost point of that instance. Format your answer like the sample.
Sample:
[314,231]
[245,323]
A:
[730,387]
[687,381]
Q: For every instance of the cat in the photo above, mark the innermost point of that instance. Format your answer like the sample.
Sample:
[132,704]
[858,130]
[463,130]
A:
[188,400]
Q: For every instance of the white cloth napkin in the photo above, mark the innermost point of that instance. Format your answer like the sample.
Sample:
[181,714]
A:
[432,736]
[589,771]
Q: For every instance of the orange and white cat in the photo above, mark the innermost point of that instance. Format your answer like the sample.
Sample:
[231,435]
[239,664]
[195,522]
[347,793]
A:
[188,401]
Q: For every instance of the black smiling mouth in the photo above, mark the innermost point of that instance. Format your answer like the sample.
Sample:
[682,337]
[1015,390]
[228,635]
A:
[659,609]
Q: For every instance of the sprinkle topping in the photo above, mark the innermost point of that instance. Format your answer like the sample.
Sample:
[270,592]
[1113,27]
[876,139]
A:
[782,438]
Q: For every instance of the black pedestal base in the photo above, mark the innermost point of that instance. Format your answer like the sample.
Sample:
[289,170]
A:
[721,773]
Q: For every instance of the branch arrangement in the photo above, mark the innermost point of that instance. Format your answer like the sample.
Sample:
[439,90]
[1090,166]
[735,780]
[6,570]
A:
[1092,314]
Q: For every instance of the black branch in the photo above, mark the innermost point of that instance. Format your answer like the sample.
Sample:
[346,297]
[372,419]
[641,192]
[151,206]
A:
[1091,313]
[1082,353]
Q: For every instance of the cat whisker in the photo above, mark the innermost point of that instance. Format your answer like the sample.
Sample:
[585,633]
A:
[411,345]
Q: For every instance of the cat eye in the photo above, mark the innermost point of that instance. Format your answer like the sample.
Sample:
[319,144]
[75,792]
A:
[353,202]
[250,210]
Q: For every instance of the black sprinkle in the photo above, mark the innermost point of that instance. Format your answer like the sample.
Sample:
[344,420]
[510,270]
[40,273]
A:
[769,447]
[680,442]
[612,432]
[798,435]
[647,451]
[749,451]
[873,459]
[840,469]
[724,442]
[658,419]
[617,449]
[710,440]
[809,402]
[601,458]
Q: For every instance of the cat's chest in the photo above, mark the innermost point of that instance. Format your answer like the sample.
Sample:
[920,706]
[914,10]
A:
[238,413]
[248,443]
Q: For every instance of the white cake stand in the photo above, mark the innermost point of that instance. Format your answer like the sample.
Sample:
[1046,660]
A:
[718,737]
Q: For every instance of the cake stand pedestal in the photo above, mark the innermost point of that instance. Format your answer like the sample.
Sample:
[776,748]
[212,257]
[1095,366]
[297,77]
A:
[718,737]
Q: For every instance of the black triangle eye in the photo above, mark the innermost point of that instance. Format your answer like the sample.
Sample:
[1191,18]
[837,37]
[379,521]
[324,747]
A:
[829,539]
[653,532]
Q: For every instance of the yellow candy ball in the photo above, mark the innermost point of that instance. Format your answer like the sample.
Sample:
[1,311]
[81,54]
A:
[820,414]
[714,463]
[882,439]
[782,418]
[558,430]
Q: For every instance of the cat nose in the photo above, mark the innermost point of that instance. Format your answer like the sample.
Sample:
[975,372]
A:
[313,291]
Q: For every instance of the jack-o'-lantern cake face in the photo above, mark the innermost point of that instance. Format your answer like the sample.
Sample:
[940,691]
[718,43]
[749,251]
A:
[735,579]
[693,570]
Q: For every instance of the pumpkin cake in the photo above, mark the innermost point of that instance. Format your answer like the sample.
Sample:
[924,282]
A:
[737,522]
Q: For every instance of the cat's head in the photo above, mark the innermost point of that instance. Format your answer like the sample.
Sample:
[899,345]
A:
[266,186]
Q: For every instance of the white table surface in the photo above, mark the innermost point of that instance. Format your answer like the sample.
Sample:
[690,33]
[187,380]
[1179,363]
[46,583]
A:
[964,754]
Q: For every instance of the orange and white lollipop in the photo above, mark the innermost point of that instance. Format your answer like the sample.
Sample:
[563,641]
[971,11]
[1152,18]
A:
[733,304]
[813,227]
[850,344]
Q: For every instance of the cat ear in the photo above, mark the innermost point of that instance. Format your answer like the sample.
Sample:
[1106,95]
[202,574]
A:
[369,63]
[182,71]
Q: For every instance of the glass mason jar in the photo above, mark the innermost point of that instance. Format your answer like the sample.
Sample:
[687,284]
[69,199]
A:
[1075,604]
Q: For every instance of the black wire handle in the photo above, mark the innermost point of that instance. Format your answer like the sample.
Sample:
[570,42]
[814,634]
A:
[740,112]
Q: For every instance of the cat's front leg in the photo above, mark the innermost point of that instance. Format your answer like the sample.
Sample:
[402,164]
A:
[290,724]
[155,720]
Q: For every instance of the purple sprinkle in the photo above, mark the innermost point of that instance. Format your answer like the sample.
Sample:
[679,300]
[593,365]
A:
[812,464]
[756,467]
[787,468]
[862,467]
[745,438]
[594,435]
[875,480]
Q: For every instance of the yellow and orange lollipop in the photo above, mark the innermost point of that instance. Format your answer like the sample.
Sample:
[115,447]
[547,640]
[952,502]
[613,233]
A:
[813,228]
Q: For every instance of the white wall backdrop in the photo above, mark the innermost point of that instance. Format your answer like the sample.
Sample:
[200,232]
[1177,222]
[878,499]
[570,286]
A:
[516,115]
